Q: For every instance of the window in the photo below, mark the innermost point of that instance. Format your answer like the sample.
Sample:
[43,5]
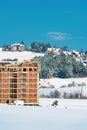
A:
[8,69]
[24,80]
[3,69]
[5,75]
[30,74]
[8,95]
[24,69]
[30,95]
[24,90]
[35,69]
[19,90]
[35,90]
[30,80]
[24,74]
[35,100]
[15,69]
[33,75]
[30,85]
[8,90]
[20,74]
[24,100]
[19,80]
[19,95]
[35,85]
[2,90]
[30,90]
[24,95]
[30,101]
[24,85]
[8,84]
[35,80]
[20,69]
[30,69]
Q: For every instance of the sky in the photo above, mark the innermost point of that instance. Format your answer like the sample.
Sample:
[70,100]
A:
[59,22]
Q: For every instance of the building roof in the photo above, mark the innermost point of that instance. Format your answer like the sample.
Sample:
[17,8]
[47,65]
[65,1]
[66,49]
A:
[17,44]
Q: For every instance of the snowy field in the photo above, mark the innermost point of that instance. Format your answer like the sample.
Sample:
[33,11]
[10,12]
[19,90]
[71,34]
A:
[64,103]
[74,117]
[59,82]
[63,85]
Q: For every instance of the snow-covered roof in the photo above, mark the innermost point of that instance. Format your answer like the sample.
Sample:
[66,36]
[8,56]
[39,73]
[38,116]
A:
[17,44]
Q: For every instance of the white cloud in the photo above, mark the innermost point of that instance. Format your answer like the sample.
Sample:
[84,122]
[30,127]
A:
[59,35]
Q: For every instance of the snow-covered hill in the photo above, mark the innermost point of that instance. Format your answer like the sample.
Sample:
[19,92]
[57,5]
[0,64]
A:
[71,85]
[18,55]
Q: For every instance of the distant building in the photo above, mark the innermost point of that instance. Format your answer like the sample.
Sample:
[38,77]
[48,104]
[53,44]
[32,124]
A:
[75,53]
[17,47]
[54,50]
[19,82]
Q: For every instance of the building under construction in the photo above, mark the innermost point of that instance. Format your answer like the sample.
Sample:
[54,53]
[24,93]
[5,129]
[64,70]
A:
[19,81]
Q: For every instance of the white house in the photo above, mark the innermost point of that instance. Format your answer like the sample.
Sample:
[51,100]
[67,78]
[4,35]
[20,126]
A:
[17,47]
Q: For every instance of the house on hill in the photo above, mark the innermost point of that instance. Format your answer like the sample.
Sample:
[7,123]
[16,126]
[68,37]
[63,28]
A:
[17,47]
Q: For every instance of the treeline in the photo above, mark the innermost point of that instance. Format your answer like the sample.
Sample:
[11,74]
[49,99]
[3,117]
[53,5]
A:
[40,47]
[65,95]
[62,66]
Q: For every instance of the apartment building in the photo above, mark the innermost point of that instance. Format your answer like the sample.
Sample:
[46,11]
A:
[19,81]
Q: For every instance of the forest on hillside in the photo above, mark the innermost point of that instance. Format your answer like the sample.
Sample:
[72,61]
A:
[62,66]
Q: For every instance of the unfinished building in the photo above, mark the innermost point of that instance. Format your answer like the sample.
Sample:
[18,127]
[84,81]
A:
[19,81]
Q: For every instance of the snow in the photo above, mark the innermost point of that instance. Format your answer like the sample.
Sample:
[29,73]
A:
[62,85]
[57,82]
[45,117]
[65,103]
[68,115]
[19,55]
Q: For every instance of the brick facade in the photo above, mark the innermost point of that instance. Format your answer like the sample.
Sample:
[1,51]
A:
[19,81]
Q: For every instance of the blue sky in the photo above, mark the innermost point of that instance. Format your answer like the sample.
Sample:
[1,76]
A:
[60,22]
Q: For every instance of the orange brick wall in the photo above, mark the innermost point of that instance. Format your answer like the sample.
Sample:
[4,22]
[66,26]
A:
[19,82]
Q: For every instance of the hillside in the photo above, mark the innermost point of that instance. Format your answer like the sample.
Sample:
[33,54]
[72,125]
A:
[4,55]
[70,88]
